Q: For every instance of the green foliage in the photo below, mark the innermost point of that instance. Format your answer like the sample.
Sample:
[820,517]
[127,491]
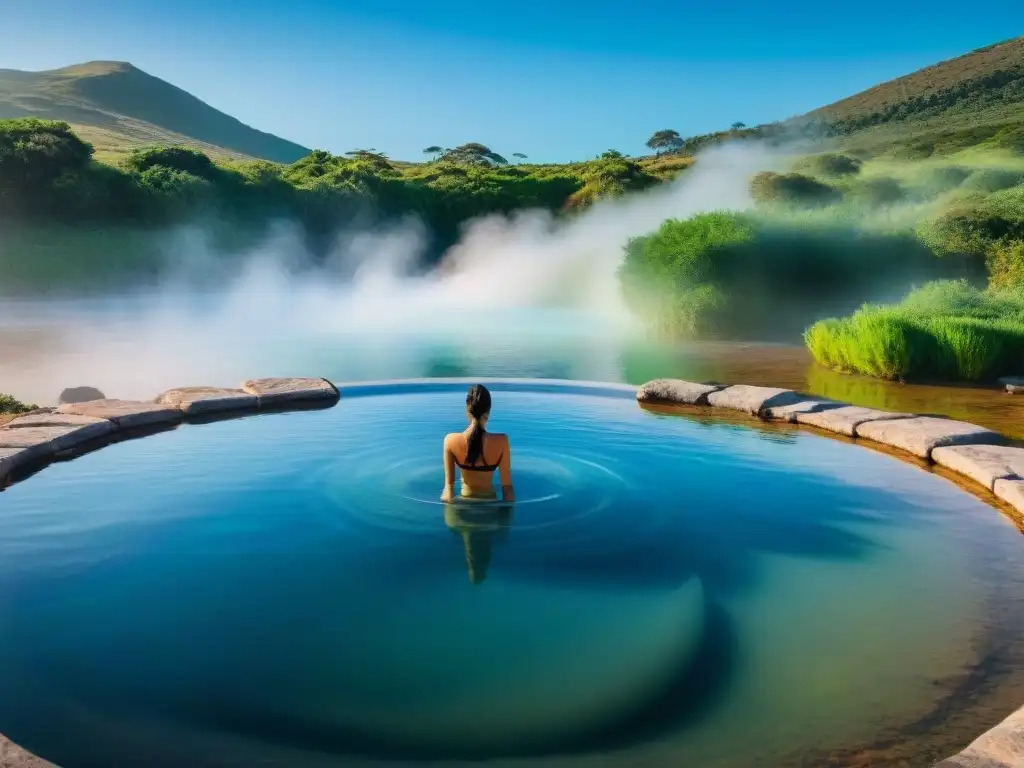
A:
[986,180]
[946,330]
[665,141]
[792,189]
[33,153]
[9,404]
[830,164]
[1006,265]
[877,192]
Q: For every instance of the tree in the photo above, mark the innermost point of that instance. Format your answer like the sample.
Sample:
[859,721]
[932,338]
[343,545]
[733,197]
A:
[737,126]
[433,150]
[34,152]
[474,154]
[666,140]
[520,155]
[612,154]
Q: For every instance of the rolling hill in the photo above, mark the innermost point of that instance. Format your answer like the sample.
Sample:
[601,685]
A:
[118,107]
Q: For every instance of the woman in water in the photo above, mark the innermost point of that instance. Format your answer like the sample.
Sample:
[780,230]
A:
[477,453]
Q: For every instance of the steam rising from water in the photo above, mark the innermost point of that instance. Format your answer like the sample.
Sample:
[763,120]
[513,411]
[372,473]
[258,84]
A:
[512,281]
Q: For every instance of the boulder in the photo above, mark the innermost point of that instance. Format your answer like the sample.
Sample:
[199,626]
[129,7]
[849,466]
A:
[197,400]
[10,460]
[846,418]
[1014,384]
[999,747]
[1010,490]
[792,411]
[675,392]
[80,395]
[753,400]
[13,756]
[125,414]
[919,435]
[982,463]
[272,392]
[48,433]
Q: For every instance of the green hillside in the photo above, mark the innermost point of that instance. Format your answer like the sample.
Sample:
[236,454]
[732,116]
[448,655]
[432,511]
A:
[118,108]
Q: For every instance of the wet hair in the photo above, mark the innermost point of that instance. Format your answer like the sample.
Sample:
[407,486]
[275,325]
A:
[478,405]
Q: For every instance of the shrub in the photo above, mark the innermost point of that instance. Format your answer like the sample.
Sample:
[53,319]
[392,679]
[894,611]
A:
[792,189]
[877,193]
[936,180]
[8,404]
[945,330]
[1006,265]
[988,180]
[184,159]
[830,164]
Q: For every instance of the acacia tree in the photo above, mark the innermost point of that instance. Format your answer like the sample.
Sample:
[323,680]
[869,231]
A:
[433,150]
[612,154]
[520,155]
[474,154]
[665,141]
[738,125]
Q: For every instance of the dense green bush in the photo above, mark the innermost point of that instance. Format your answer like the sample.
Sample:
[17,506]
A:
[987,180]
[946,330]
[877,192]
[829,164]
[792,189]
[9,404]
[736,275]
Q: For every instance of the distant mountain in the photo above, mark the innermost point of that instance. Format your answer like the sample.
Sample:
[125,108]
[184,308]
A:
[986,85]
[118,107]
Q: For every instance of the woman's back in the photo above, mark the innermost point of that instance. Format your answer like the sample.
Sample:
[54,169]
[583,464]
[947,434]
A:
[477,453]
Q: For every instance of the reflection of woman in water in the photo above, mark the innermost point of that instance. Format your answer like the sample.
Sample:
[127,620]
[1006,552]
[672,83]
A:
[479,530]
[477,453]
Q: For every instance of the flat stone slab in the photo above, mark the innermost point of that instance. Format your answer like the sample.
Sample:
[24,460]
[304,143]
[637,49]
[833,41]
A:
[282,391]
[999,747]
[919,435]
[753,400]
[982,463]
[45,433]
[791,412]
[675,392]
[195,400]
[126,414]
[1011,491]
[13,756]
[1014,384]
[10,460]
[845,419]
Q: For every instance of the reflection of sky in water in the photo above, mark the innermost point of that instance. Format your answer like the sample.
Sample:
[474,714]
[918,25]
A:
[669,588]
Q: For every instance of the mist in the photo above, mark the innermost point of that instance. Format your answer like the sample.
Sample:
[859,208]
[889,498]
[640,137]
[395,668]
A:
[511,287]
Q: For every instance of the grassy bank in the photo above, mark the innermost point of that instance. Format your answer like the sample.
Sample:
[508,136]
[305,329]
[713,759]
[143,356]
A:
[945,331]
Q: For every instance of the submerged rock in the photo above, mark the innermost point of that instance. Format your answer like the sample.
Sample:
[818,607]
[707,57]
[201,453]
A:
[80,395]
[753,400]
[195,400]
[919,435]
[845,419]
[281,391]
[982,463]
[675,392]
[1000,747]
[125,414]
[792,411]
[1014,384]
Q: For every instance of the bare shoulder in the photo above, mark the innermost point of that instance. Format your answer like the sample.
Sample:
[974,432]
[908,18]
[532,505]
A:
[498,437]
[450,439]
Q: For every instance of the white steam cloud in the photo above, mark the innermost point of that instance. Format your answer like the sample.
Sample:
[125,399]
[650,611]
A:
[511,284]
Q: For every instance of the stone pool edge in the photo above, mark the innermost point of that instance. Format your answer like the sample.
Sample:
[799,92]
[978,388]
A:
[982,456]
[30,442]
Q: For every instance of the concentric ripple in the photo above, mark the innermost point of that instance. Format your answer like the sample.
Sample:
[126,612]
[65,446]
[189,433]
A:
[289,590]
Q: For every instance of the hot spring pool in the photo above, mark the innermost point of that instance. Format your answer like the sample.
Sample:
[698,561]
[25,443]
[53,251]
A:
[287,590]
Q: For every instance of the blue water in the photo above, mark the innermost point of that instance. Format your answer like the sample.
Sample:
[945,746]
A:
[287,589]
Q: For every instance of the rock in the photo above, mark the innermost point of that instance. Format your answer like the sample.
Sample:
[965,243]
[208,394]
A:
[982,463]
[80,395]
[13,756]
[47,433]
[1010,490]
[10,460]
[999,747]
[920,434]
[125,414]
[846,418]
[196,400]
[791,412]
[753,400]
[281,391]
[675,392]
[1014,384]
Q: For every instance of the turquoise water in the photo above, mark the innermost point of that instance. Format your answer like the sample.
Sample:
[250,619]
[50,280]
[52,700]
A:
[288,590]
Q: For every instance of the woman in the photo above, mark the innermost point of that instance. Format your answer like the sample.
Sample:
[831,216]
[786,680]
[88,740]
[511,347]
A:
[477,453]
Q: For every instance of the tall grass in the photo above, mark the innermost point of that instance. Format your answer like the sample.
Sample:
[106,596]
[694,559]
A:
[947,330]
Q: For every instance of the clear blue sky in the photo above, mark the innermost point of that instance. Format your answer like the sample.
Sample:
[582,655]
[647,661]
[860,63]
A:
[555,79]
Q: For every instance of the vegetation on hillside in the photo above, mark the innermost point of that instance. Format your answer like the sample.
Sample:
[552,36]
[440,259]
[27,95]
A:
[10,406]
